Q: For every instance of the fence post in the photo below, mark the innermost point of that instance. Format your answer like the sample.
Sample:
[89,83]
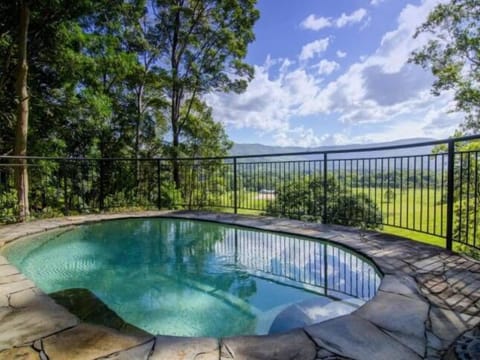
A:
[450,192]
[159,188]
[325,192]
[101,195]
[235,195]
[65,192]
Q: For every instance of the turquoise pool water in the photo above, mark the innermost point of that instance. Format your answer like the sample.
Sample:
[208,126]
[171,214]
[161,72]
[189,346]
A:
[193,278]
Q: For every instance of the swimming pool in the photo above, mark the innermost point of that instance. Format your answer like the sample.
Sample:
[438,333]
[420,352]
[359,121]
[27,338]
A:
[193,278]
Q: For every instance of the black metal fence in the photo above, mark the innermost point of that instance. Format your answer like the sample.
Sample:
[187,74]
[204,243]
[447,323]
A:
[429,188]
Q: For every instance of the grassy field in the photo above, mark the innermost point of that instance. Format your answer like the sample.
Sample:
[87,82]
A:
[419,210]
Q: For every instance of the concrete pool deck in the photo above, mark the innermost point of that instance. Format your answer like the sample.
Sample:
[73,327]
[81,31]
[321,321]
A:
[427,307]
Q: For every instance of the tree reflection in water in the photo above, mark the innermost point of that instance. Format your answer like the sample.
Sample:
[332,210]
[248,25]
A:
[193,278]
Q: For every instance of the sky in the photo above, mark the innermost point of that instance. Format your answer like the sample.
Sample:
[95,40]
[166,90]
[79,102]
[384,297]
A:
[334,72]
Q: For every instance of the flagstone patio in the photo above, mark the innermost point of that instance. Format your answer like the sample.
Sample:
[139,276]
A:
[427,307]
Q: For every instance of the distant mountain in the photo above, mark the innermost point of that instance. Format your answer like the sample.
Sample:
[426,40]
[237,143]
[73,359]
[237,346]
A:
[259,149]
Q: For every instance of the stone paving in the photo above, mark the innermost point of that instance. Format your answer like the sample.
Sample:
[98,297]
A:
[427,307]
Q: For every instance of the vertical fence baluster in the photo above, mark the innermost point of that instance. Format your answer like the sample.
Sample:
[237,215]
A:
[65,193]
[325,192]
[450,190]
[159,185]
[235,184]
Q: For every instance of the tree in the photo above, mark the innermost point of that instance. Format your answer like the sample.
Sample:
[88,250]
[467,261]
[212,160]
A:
[305,200]
[453,54]
[203,43]
[203,180]
[27,36]
[104,79]
[21,172]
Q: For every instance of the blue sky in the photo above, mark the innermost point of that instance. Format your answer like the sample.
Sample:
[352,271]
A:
[330,72]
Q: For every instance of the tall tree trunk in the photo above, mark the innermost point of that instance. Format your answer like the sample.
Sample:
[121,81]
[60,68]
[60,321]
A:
[175,144]
[138,124]
[175,101]
[21,172]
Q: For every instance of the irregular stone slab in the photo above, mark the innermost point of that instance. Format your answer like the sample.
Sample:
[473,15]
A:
[323,354]
[29,297]
[432,264]
[4,311]
[24,325]
[433,341]
[88,342]
[396,313]
[354,337]
[470,289]
[403,285]
[183,348]
[6,270]
[3,260]
[140,352]
[393,266]
[13,287]
[12,278]
[448,325]
[21,353]
[291,345]
[417,344]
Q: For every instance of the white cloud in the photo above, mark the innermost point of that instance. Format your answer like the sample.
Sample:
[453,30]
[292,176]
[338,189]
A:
[353,18]
[326,67]
[287,63]
[315,47]
[376,2]
[381,80]
[381,96]
[341,54]
[298,136]
[268,103]
[314,23]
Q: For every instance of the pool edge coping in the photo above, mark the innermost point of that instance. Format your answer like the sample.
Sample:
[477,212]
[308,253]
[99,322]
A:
[405,287]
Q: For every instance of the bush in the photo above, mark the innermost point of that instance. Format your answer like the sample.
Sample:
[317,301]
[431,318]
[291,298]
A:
[8,206]
[304,200]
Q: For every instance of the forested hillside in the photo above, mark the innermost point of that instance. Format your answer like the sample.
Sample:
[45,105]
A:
[118,78]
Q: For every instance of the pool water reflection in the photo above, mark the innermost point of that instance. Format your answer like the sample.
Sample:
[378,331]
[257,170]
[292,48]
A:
[193,278]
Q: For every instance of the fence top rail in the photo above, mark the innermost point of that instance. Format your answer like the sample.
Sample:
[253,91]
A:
[231,157]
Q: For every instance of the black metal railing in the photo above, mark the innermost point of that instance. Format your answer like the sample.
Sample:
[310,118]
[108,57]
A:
[429,188]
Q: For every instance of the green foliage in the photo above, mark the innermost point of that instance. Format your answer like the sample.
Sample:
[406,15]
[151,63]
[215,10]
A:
[467,193]
[103,76]
[306,200]
[453,54]
[354,210]
[388,195]
[466,221]
[170,195]
[202,44]
[8,206]
[100,76]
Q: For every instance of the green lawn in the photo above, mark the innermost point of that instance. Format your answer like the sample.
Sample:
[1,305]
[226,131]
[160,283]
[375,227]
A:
[419,209]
